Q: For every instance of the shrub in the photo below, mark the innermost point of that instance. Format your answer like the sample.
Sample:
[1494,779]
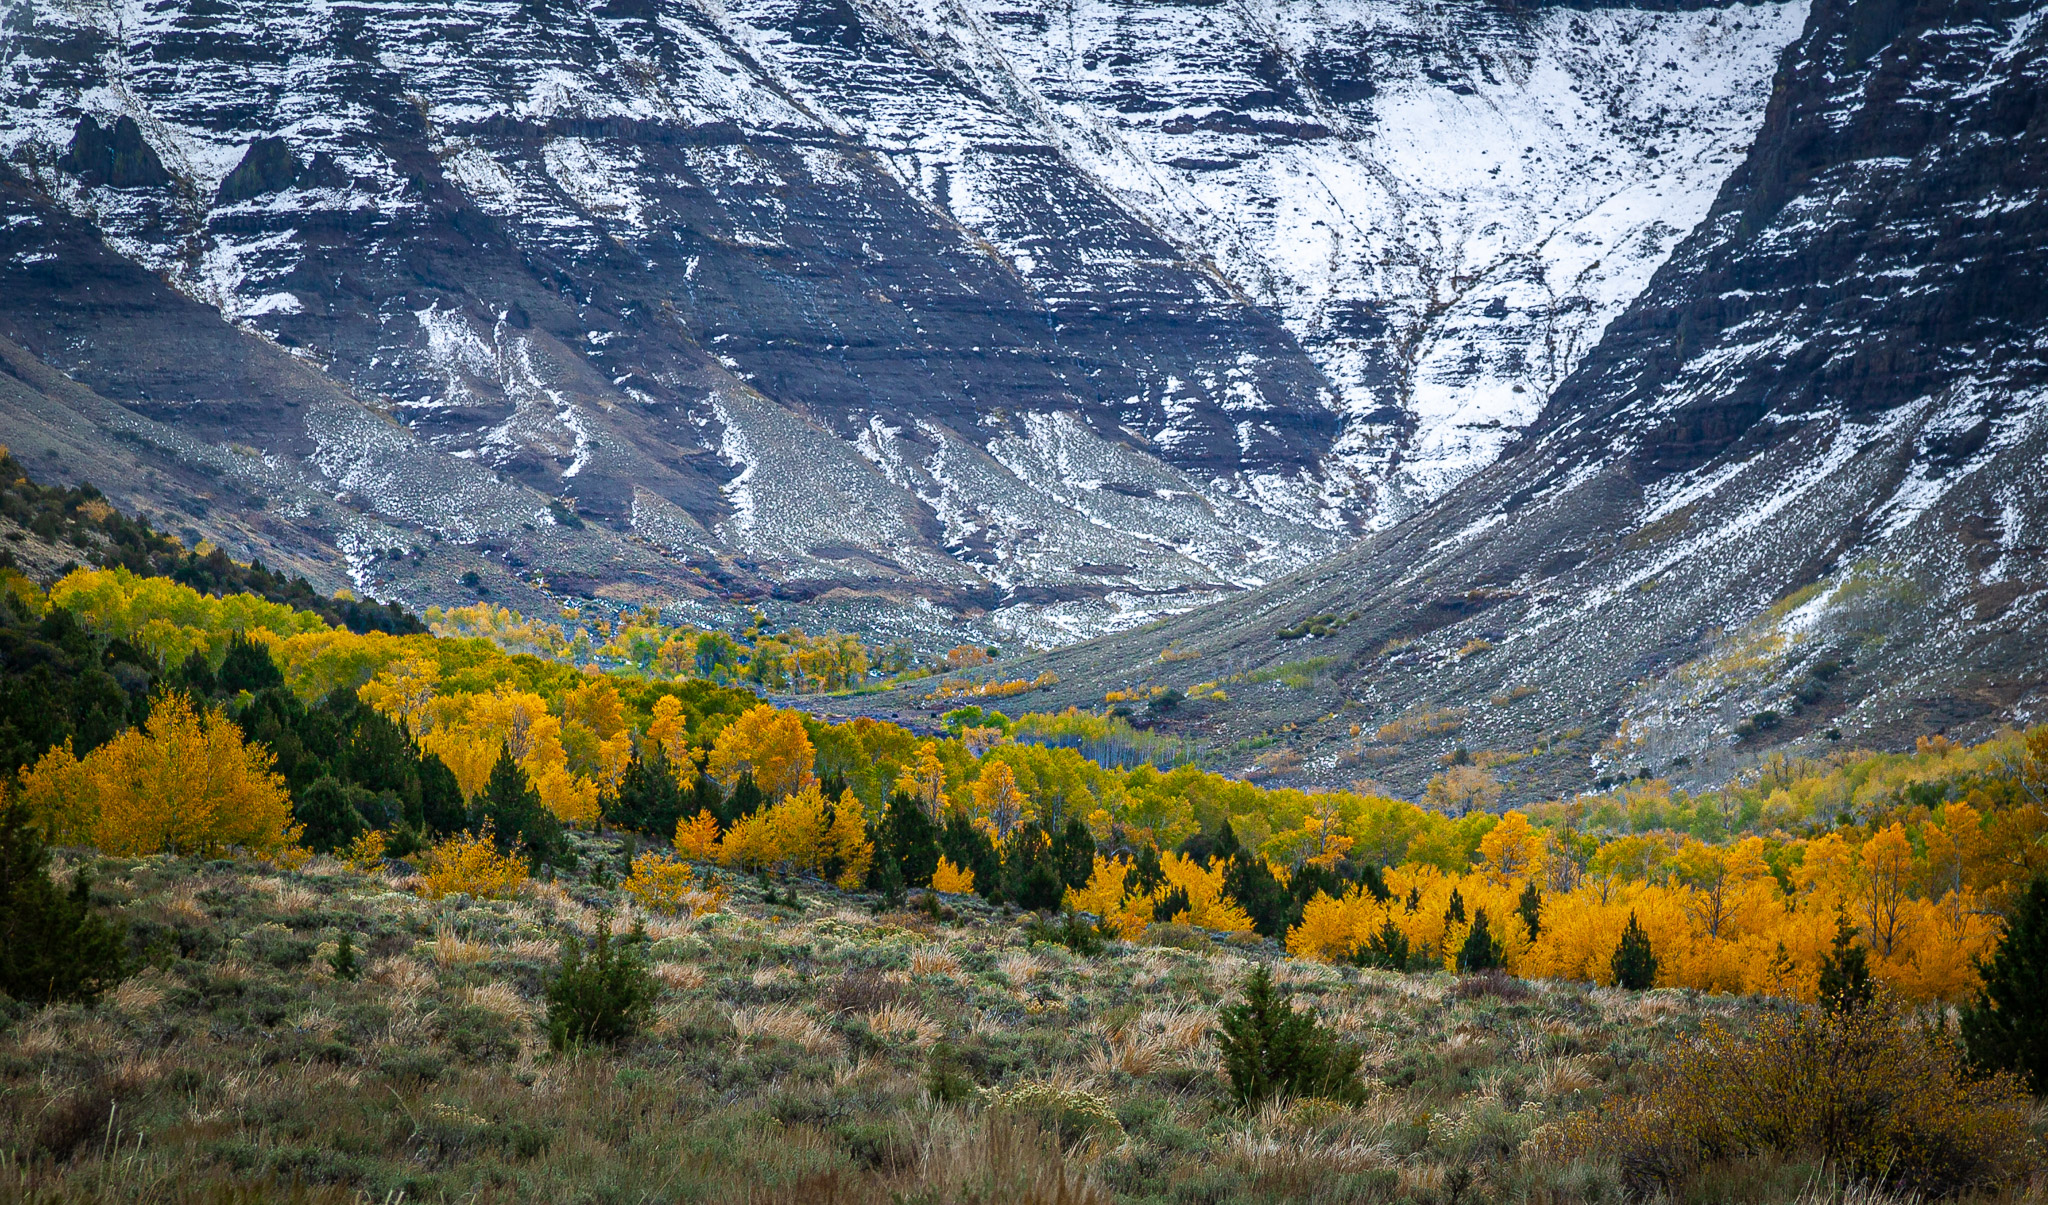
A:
[1072,932]
[2006,1029]
[601,995]
[53,946]
[470,864]
[343,962]
[1860,1088]
[944,1077]
[952,880]
[1634,963]
[1071,1113]
[1271,1050]
[666,885]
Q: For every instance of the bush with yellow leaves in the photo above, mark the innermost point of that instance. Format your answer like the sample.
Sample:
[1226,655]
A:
[1865,1088]
[365,854]
[669,886]
[951,879]
[470,864]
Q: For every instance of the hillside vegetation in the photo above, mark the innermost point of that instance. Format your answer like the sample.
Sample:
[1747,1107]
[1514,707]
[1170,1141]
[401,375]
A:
[399,914]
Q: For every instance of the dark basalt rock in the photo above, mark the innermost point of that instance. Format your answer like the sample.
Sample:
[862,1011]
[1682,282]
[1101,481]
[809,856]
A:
[117,158]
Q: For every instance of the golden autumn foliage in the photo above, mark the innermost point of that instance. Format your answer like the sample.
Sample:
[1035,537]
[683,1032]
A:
[952,880]
[183,783]
[771,745]
[667,885]
[924,779]
[697,836]
[470,864]
[1718,917]
[1107,896]
[365,854]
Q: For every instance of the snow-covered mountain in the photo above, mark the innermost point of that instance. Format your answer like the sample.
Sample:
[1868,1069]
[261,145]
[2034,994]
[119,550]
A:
[1798,492]
[1077,311]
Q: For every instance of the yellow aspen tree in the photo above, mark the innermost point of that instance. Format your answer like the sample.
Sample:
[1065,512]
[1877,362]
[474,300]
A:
[1103,895]
[768,743]
[1324,840]
[848,841]
[185,782]
[999,801]
[952,880]
[1208,905]
[404,691]
[1888,875]
[1513,849]
[668,731]
[924,780]
[697,836]
[797,828]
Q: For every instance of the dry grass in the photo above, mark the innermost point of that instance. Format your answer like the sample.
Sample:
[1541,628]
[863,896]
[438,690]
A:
[934,960]
[679,976]
[791,1060]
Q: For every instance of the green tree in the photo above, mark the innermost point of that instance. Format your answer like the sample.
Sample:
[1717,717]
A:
[333,813]
[2006,1028]
[1454,912]
[1480,951]
[516,813]
[53,945]
[1845,984]
[647,799]
[603,994]
[1270,1050]
[911,839]
[247,666]
[1386,949]
[1531,908]
[1634,964]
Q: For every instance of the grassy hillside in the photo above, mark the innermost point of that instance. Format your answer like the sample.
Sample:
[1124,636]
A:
[827,1053]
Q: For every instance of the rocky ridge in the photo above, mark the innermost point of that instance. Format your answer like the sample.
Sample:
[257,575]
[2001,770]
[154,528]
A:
[1077,313]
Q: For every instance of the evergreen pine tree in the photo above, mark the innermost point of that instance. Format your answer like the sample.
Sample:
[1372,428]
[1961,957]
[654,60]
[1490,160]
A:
[1454,913]
[53,945]
[441,807]
[970,849]
[911,838]
[1634,964]
[1271,1050]
[1386,949]
[647,799]
[1073,853]
[1480,952]
[247,666]
[2006,1028]
[745,800]
[1845,985]
[1251,882]
[331,812]
[602,995]
[1531,908]
[515,811]
[1031,876]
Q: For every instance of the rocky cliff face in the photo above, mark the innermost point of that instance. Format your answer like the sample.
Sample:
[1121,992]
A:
[1795,494]
[1080,311]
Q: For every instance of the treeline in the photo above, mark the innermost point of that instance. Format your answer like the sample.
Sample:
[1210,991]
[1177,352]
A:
[81,517]
[1920,854]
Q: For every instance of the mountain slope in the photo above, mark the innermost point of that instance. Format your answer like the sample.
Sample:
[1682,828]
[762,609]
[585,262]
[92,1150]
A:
[1084,313]
[1794,492]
